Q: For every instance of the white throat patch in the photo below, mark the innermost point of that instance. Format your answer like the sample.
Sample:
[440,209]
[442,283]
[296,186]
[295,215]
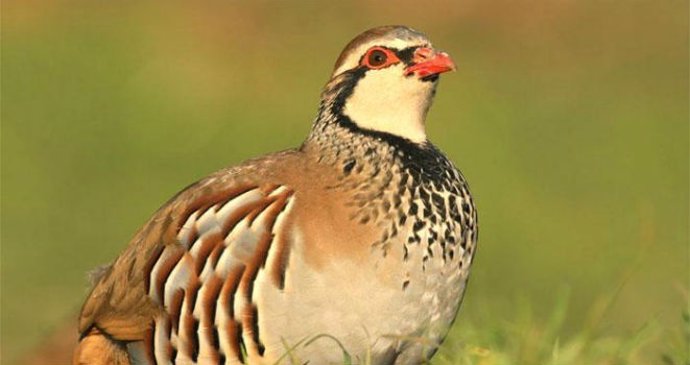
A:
[386,101]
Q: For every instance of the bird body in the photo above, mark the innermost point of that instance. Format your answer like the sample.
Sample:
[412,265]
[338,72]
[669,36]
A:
[360,240]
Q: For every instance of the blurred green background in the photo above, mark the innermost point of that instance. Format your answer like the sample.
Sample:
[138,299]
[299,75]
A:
[569,118]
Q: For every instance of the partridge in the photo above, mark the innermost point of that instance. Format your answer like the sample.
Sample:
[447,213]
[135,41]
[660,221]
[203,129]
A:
[356,244]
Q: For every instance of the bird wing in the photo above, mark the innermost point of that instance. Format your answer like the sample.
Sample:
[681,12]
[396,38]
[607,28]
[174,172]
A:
[187,277]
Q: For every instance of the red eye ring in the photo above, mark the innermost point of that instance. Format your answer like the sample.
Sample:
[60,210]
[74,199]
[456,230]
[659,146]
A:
[379,57]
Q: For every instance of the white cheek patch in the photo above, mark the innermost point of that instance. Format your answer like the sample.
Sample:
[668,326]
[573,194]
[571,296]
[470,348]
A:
[387,101]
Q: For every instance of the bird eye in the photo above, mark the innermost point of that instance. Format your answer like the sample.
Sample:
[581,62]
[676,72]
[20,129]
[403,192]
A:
[377,58]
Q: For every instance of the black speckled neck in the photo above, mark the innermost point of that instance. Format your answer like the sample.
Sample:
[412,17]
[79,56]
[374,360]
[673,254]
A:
[336,131]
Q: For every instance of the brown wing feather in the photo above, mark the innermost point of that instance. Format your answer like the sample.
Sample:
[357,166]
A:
[170,269]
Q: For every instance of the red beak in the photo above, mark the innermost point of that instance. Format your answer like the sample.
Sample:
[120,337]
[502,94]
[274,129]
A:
[429,62]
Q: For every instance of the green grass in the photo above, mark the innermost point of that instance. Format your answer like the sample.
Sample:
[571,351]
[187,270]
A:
[568,118]
[527,340]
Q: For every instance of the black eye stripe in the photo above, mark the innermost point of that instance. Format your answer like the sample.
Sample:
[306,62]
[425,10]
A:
[406,54]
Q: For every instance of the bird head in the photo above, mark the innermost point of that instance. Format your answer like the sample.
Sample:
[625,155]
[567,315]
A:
[384,81]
